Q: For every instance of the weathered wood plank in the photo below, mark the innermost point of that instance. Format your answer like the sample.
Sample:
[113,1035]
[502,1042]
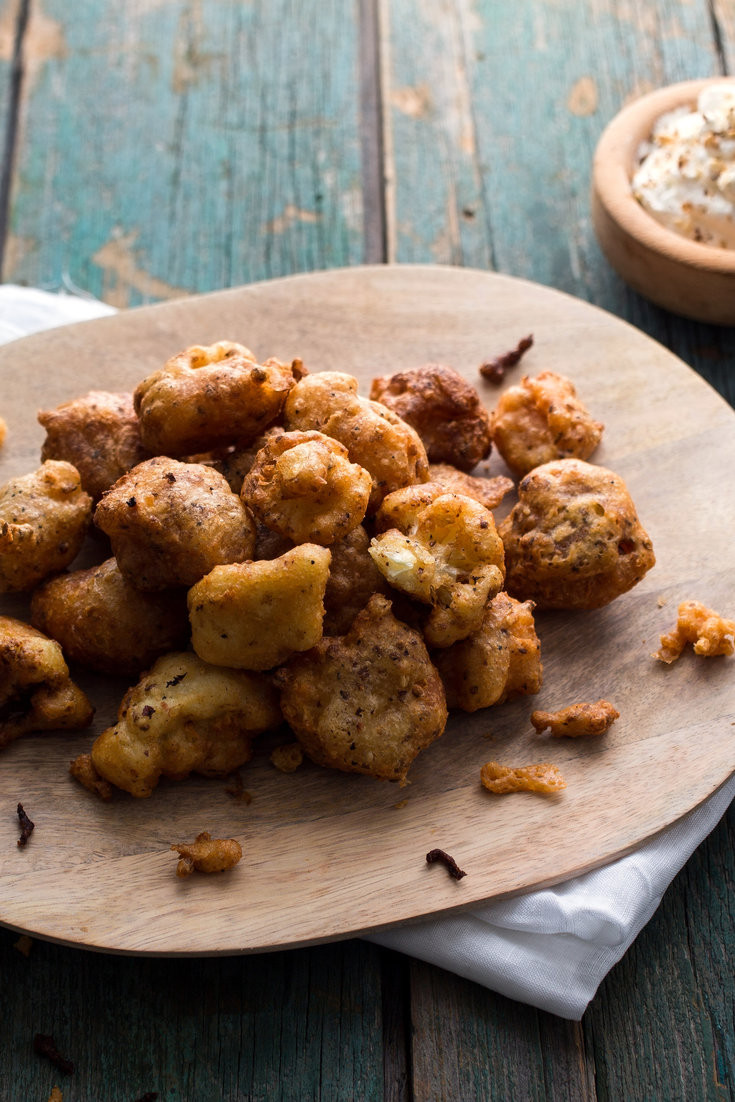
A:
[285,1026]
[186,146]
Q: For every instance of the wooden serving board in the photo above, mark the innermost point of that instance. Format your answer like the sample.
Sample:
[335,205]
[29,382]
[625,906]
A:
[329,855]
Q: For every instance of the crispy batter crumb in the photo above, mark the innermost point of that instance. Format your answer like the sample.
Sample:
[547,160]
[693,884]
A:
[207,854]
[56,1095]
[447,860]
[237,789]
[494,370]
[82,769]
[3,431]
[500,779]
[287,757]
[709,632]
[577,719]
[24,944]
[26,826]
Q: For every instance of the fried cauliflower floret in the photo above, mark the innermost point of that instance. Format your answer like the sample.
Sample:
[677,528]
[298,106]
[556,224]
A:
[184,716]
[501,779]
[36,692]
[169,523]
[709,633]
[208,397]
[367,702]
[207,854]
[44,517]
[574,539]
[353,579]
[253,615]
[448,556]
[375,437]
[104,623]
[499,661]
[577,720]
[445,410]
[303,486]
[488,491]
[99,434]
[542,419]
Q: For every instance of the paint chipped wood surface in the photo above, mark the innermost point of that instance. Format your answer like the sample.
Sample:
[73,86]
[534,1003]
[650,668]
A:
[459,133]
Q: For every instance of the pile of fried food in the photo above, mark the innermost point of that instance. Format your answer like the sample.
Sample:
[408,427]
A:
[283,549]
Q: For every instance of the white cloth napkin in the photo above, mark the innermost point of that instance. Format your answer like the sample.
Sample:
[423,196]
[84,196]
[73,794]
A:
[549,948]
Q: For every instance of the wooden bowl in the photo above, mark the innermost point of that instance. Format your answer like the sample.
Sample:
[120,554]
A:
[694,280]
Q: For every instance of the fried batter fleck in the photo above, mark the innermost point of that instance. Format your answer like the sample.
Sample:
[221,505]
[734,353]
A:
[499,661]
[574,539]
[303,485]
[367,702]
[99,434]
[207,854]
[288,757]
[169,523]
[184,716]
[709,633]
[82,769]
[253,615]
[44,517]
[577,720]
[541,419]
[500,779]
[445,410]
[36,691]
[448,555]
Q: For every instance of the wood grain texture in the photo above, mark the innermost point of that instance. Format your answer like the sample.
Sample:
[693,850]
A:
[334,852]
[185,146]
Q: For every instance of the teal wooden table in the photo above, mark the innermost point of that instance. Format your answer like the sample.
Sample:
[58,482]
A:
[156,148]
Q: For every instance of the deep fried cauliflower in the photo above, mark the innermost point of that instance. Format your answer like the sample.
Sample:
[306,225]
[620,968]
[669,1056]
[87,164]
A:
[499,661]
[105,624]
[303,486]
[184,716]
[574,539]
[209,397]
[577,720]
[207,854]
[44,517]
[709,633]
[447,555]
[500,779]
[374,436]
[353,579]
[169,523]
[367,702]
[253,615]
[445,410]
[99,434]
[541,419]
[488,491]
[36,692]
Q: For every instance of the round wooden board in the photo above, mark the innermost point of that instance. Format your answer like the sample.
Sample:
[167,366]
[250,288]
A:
[329,855]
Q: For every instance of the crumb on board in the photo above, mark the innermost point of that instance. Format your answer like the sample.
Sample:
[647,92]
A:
[206,854]
[288,757]
[709,633]
[577,720]
[541,777]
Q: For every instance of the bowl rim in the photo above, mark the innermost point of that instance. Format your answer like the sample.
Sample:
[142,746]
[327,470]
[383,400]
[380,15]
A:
[612,168]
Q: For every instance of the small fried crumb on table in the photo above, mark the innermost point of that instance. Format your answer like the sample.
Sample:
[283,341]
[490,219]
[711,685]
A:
[501,779]
[709,633]
[577,720]
[207,854]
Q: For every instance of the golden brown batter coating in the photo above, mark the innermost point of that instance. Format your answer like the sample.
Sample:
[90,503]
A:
[44,517]
[105,624]
[374,436]
[99,434]
[445,410]
[367,702]
[303,486]
[353,579]
[210,397]
[709,633]
[574,539]
[488,491]
[207,854]
[577,720]
[499,661]
[169,523]
[500,779]
[184,716]
[541,419]
[447,555]
[253,615]
[36,692]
